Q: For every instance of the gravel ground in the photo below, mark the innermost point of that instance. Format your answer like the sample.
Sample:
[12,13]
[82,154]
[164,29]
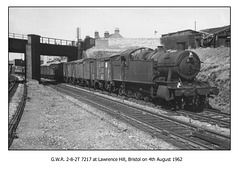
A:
[52,120]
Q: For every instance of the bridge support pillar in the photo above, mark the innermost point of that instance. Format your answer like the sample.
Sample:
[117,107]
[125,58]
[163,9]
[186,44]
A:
[33,57]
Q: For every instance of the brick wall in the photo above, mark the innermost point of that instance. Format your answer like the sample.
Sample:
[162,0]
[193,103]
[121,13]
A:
[170,42]
[125,43]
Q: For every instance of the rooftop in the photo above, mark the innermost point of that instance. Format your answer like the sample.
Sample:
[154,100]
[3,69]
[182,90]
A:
[216,30]
[182,31]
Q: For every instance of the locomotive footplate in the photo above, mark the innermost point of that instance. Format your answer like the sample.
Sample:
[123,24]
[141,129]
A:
[168,93]
[186,97]
[202,91]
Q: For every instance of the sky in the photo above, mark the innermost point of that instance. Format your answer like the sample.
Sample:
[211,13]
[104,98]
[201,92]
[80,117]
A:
[132,22]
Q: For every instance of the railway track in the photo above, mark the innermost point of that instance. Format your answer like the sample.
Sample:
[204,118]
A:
[213,117]
[13,123]
[11,83]
[210,116]
[12,86]
[180,134]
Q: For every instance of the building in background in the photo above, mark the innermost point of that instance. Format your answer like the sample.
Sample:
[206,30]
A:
[217,37]
[48,59]
[17,66]
[212,37]
[116,34]
[103,42]
[191,38]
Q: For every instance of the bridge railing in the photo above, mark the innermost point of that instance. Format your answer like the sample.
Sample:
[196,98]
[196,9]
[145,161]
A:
[55,41]
[46,40]
[18,36]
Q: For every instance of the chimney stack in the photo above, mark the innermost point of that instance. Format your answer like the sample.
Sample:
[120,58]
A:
[106,34]
[96,34]
[117,30]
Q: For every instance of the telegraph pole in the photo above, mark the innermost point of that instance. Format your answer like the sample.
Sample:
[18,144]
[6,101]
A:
[195,25]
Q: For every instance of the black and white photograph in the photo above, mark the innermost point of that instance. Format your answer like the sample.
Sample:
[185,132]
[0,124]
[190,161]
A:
[119,85]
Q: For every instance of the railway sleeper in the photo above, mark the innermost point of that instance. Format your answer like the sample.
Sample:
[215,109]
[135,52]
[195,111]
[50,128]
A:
[176,129]
[169,126]
[222,144]
[183,132]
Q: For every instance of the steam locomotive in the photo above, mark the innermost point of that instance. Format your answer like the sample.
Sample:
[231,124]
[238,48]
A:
[142,73]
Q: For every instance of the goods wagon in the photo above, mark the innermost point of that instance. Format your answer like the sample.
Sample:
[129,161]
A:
[45,70]
[103,73]
[57,69]
[78,65]
[68,71]
[89,71]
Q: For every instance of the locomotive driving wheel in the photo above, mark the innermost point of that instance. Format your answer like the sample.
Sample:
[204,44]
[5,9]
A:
[121,91]
[147,99]
[138,95]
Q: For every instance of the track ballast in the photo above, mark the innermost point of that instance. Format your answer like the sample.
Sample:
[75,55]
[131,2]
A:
[181,134]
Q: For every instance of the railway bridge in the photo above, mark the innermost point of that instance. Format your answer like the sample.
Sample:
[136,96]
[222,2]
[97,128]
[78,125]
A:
[33,46]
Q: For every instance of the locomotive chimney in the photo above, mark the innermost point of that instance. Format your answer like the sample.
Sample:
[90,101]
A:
[181,45]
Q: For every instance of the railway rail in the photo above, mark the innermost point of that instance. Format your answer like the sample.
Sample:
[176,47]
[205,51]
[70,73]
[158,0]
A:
[11,83]
[213,117]
[179,133]
[13,123]
[12,86]
[210,116]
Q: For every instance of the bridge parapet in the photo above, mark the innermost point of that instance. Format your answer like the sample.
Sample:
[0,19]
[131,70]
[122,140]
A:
[45,40]
[55,41]
[17,36]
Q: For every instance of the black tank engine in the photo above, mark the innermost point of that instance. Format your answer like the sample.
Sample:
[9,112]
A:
[175,76]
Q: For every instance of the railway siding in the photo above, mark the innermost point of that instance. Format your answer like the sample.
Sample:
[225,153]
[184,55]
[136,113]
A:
[175,115]
[115,106]
[16,107]
[15,100]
